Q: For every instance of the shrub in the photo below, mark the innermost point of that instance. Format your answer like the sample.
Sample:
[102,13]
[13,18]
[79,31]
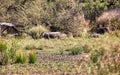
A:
[7,54]
[63,15]
[117,33]
[86,48]
[35,32]
[3,47]
[21,58]
[110,18]
[96,54]
[61,51]
[32,58]
[3,52]
[76,50]
[114,23]
[94,58]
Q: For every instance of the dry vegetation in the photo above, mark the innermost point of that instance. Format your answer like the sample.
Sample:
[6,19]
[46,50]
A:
[97,56]
[77,54]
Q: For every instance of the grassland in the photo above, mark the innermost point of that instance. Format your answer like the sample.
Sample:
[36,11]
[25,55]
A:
[96,56]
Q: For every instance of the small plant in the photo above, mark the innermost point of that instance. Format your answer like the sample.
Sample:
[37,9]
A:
[101,52]
[96,54]
[94,58]
[21,58]
[61,51]
[7,54]
[36,32]
[86,48]
[117,33]
[32,58]
[76,50]
[3,47]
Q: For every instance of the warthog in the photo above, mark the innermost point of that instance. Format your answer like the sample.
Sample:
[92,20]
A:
[102,30]
[49,35]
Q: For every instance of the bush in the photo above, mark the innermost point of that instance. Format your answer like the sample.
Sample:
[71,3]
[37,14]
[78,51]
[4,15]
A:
[96,54]
[21,58]
[3,56]
[94,58]
[7,54]
[86,48]
[117,33]
[114,23]
[76,50]
[61,51]
[63,15]
[35,32]
[32,58]
[110,18]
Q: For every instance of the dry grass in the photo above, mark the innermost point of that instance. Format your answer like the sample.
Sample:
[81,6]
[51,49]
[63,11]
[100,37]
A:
[106,49]
[107,42]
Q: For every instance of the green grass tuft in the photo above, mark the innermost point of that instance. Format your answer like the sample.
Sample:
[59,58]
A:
[76,50]
[32,58]
[21,58]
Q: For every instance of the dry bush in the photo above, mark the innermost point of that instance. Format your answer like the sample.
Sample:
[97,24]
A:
[58,15]
[36,32]
[108,15]
[111,17]
[61,15]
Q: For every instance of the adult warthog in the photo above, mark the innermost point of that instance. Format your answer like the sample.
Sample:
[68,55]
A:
[50,35]
[102,30]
